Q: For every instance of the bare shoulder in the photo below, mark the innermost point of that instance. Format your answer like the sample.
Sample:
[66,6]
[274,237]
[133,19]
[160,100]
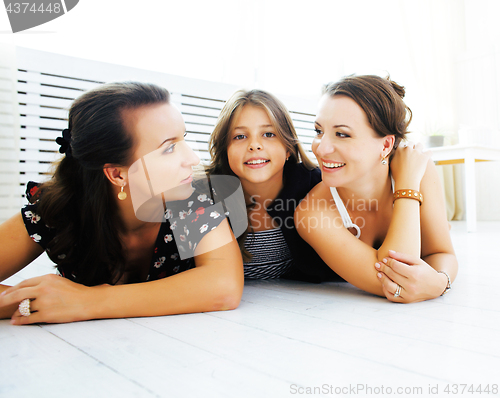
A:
[317,214]
[318,199]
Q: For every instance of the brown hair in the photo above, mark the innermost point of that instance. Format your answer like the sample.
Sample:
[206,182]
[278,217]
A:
[78,200]
[381,100]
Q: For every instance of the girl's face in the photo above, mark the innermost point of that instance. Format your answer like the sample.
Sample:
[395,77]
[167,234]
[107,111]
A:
[346,146]
[162,160]
[255,152]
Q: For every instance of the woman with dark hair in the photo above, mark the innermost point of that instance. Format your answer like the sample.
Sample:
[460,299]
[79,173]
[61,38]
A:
[378,217]
[255,140]
[125,155]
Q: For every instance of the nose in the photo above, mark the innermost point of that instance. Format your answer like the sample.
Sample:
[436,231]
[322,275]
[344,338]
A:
[324,146]
[254,144]
[190,158]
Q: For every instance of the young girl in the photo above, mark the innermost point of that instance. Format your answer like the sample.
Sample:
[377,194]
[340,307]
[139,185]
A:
[378,218]
[255,140]
[114,264]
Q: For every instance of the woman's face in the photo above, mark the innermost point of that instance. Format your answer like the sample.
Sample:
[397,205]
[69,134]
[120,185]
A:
[162,160]
[346,146]
[255,152]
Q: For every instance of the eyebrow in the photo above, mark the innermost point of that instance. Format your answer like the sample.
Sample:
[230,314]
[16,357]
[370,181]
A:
[171,139]
[167,140]
[261,126]
[336,126]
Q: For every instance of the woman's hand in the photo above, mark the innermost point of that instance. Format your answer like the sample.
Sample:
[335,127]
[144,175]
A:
[408,166]
[418,281]
[54,299]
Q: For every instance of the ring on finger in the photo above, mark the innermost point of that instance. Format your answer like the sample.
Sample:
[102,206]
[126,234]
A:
[24,307]
[398,292]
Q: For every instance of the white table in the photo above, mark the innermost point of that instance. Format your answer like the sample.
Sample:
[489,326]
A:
[469,155]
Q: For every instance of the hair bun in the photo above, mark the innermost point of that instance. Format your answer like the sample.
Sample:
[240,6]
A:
[400,90]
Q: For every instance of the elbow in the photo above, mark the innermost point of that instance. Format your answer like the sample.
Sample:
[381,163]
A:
[228,292]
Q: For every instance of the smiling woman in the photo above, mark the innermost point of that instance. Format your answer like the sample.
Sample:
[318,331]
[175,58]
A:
[358,218]
[112,262]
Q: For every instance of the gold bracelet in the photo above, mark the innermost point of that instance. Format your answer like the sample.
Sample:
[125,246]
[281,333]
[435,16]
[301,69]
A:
[409,194]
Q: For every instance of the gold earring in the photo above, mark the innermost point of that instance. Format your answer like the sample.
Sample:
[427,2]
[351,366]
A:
[384,160]
[122,195]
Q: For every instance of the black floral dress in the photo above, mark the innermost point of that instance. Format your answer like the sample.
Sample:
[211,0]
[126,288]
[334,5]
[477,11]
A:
[186,223]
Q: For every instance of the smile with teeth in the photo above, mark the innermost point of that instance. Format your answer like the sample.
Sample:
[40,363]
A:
[259,161]
[333,165]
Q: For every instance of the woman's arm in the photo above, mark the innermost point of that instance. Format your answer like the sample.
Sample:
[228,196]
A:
[418,274]
[216,283]
[16,251]
[353,259]
[321,226]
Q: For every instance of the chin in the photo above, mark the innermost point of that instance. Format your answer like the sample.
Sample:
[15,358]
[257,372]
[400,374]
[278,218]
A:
[181,192]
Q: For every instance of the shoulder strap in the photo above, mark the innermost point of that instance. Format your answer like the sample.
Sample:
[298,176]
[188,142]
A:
[346,220]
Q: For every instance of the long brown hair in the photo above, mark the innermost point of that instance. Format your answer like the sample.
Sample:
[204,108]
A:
[381,100]
[78,200]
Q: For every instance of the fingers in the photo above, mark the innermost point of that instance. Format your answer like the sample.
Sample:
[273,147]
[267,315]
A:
[18,319]
[404,257]
[17,295]
[26,283]
[390,288]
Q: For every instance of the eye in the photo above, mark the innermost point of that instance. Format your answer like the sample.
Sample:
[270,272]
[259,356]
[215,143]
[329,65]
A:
[318,132]
[238,137]
[269,134]
[169,149]
[341,135]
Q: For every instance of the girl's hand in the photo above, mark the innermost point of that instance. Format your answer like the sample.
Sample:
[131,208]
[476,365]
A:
[408,166]
[418,280]
[54,299]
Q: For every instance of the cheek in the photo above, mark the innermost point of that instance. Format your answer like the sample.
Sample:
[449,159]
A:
[233,157]
[314,146]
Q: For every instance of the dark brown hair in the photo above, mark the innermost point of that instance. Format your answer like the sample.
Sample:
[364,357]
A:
[78,200]
[381,100]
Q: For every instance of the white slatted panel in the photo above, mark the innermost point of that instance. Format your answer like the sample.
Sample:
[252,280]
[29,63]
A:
[9,139]
[48,83]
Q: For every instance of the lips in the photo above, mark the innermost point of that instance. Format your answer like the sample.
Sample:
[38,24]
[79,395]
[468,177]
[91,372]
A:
[332,165]
[254,162]
[187,180]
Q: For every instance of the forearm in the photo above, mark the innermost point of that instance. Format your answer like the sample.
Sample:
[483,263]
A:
[446,262]
[196,290]
[404,230]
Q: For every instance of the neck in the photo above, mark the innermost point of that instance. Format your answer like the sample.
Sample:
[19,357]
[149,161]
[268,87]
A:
[264,192]
[131,224]
[368,192]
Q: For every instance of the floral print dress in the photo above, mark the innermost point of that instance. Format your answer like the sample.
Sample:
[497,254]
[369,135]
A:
[186,223]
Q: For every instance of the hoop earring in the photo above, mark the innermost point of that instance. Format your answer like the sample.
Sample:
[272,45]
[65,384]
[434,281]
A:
[122,195]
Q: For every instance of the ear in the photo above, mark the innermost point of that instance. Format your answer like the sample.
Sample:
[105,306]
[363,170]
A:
[116,175]
[388,142]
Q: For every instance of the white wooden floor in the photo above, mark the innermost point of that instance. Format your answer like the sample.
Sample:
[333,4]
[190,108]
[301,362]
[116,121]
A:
[286,339]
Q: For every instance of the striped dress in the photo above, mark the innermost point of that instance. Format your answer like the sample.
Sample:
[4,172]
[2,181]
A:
[271,257]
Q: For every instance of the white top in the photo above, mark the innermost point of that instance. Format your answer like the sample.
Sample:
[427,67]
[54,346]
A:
[346,219]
